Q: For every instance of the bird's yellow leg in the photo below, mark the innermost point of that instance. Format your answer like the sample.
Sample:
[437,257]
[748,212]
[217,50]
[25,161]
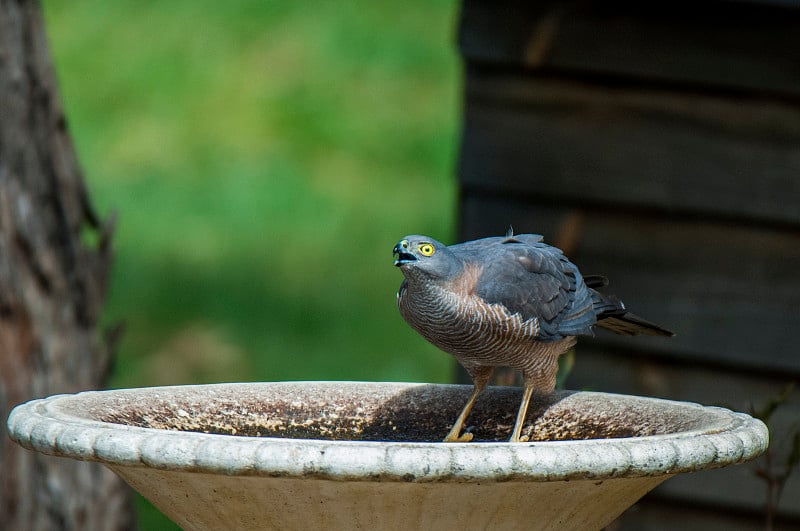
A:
[453,436]
[521,414]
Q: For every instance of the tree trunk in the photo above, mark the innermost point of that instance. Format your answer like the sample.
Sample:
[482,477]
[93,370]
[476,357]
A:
[52,286]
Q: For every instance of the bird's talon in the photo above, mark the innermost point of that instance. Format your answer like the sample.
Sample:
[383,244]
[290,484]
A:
[464,437]
[524,438]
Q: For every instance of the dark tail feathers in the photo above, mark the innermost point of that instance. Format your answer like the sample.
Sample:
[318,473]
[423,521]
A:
[612,314]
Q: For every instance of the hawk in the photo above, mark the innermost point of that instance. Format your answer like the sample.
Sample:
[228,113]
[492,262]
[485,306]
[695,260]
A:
[505,301]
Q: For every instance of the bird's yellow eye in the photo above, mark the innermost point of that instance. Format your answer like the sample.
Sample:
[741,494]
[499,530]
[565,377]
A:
[426,249]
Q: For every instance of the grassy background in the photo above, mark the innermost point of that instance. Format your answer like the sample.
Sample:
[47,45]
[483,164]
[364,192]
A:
[262,158]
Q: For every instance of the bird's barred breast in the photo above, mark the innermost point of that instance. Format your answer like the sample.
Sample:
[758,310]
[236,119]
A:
[475,332]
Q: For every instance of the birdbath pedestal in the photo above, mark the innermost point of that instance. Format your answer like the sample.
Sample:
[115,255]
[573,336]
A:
[352,455]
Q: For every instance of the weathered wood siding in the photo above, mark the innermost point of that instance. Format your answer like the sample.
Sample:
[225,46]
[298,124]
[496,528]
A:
[659,146]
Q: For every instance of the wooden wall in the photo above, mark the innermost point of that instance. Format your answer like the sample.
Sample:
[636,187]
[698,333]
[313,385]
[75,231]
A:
[659,146]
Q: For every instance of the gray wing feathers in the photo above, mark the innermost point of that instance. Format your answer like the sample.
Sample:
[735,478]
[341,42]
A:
[534,280]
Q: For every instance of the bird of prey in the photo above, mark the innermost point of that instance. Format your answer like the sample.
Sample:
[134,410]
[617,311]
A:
[504,301]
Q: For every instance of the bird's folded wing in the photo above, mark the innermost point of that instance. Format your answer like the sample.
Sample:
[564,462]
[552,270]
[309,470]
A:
[535,280]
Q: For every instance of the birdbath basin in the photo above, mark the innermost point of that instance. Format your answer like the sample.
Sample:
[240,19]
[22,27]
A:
[352,455]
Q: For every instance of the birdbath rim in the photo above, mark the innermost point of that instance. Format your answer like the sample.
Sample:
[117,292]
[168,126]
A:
[77,426]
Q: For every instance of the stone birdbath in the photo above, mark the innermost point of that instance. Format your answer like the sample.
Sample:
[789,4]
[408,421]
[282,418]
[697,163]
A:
[353,455]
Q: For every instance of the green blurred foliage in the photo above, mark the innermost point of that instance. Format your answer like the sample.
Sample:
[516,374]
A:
[263,158]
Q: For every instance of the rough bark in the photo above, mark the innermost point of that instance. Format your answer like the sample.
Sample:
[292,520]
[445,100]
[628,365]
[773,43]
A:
[52,286]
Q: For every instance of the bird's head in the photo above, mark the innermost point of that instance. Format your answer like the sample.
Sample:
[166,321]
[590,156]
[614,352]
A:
[421,255]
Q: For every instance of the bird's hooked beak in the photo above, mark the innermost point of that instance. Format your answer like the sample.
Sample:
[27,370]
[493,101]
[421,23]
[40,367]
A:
[402,254]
